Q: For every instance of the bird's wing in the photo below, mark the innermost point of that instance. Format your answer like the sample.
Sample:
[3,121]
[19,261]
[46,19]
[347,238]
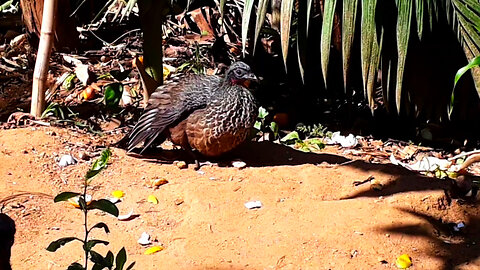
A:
[169,105]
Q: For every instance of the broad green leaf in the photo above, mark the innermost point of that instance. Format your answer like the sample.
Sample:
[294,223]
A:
[105,206]
[403,33]
[419,15]
[60,242]
[368,36]
[121,259]
[98,259]
[261,14]
[348,32]
[99,164]
[303,22]
[101,225]
[113,94]
[247,10]
[109,258]
[91,243]
[326,36]
[285,23]
[64,196]
[291,136]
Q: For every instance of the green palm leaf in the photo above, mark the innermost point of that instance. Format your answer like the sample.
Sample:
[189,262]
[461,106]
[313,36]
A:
[348,32]
[326,35]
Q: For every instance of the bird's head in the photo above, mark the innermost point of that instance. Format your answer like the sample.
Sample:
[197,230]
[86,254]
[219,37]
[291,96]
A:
[240,73]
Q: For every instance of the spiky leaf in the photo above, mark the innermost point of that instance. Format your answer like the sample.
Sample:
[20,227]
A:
[326,35]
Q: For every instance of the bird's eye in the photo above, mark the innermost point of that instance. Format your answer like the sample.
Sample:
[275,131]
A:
[238,72]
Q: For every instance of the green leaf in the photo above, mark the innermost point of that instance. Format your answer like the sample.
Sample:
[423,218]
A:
[290,137]
[222,7]
[285,22]
[98,259]
[120,259]
[99,164]
[302,33]
[348,32]
[109,258]
[403,34]
[258,125]
[368,39]
[274,128]
[326,35]
[247,11]
[92,243]
[64,196]
[101,225]
[60,242]
[474,63]
[75,266]
[113,94]
[262,113]
[261,14]
[105,206]
[419,4]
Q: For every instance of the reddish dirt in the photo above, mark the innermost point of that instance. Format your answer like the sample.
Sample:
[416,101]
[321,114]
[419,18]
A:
[312,215]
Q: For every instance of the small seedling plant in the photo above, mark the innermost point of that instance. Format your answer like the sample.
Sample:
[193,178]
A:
[100,262]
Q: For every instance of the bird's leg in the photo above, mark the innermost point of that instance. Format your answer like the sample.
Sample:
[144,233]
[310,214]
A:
[194,157]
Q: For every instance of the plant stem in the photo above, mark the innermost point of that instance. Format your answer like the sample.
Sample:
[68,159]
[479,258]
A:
[85,212]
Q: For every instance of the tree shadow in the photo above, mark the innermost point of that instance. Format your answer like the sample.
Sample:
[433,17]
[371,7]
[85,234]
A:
[452,247]
[405,180]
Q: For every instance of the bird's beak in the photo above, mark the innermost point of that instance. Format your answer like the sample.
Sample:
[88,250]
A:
[252,77]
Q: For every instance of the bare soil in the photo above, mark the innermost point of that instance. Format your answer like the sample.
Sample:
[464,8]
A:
[313,217]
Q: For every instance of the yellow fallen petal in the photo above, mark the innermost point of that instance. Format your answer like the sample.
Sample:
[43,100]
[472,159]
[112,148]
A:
[152,250]
[152,199]
[118,194]
[403,261]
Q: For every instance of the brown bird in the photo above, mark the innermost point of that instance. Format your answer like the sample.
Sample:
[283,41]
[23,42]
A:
[210,114]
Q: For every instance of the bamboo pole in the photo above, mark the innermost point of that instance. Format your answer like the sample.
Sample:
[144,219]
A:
[43,56]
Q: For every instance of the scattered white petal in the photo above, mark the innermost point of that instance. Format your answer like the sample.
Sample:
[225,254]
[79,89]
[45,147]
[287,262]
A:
[144,239]
[125,217]
[253,204]
[114,200]
[239,164]
[66,160]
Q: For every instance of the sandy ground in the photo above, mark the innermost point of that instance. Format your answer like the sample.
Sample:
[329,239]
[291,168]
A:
[313,217]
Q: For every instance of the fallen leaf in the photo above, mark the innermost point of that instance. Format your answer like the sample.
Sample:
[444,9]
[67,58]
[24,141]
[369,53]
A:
[152,199]
[118,194]
[403,261]
[152,250]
